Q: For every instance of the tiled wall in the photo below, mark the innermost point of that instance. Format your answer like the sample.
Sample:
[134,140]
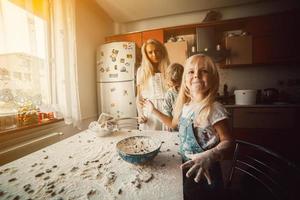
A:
[261,77]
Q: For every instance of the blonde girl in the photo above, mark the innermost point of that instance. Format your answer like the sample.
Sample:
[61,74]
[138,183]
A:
[151,76]
[173,79]
[203,129]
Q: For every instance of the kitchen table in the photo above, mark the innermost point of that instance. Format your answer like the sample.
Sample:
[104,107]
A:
[85,166]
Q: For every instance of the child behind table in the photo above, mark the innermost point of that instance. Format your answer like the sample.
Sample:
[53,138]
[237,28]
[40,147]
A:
[173,78]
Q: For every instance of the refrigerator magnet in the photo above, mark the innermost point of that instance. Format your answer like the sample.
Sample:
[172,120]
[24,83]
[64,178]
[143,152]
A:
[123,69]
[101,70]
[115,52]
[127,64]
[129,56]
[107,69]
[116,67]
[112,89]
[122,60]
[130,45]
[113,59]
[113,75]
[125,92]
[125,46]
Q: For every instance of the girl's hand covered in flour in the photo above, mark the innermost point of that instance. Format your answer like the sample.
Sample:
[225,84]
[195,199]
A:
[200,163]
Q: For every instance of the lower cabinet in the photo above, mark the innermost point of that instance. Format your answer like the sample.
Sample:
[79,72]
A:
[274,128]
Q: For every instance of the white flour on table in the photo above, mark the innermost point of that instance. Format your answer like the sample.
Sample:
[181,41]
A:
[87,167]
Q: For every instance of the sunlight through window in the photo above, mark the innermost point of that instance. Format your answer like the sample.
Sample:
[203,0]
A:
[24,65]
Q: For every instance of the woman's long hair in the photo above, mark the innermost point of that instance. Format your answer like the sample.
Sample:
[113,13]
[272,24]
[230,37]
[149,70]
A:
[147,67]
[184,95]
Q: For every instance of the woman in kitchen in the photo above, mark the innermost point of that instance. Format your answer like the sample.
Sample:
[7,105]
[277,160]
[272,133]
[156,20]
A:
[203,129]
[151,76]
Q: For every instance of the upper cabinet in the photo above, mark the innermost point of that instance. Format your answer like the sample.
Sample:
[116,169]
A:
[275,38]
[157,34]
[261,40]
[131,37]
[139,38]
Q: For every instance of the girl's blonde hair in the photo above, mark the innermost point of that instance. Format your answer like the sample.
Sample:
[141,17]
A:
[184,95]
[174,74]
[146,66]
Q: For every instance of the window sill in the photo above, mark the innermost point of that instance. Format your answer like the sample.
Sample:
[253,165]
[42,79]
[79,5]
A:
[27,127]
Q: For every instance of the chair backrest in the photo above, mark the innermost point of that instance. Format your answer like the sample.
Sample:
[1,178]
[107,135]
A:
[259,173]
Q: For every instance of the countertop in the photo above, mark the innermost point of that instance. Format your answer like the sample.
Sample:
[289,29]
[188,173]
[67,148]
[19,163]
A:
[82,166]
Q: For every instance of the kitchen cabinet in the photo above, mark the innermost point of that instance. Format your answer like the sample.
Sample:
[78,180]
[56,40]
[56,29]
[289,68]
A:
[274,37]
[177,51]
[240,49]
[263,118]
[271,127]
[132,37]
[157,34]
[139,38]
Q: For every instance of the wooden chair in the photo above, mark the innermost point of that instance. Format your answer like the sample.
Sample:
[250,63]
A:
[259,173]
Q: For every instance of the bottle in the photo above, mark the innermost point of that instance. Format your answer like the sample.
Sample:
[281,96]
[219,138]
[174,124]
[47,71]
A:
[225,93]
[193,51]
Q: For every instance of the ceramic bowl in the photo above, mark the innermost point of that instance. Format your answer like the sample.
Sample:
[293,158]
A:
[138,149]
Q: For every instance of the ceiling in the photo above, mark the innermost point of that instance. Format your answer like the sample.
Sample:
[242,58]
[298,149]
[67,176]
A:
[123,11]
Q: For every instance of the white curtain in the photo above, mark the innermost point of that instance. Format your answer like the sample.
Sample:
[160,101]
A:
[64,65]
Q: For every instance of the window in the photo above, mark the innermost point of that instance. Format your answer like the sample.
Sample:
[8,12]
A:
[38,62]
[24,62]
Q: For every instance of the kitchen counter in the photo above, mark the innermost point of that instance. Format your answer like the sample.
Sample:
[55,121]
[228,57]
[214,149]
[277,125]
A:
[85,166]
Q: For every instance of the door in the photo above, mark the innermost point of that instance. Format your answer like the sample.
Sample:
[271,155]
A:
[115,62]
[117,98]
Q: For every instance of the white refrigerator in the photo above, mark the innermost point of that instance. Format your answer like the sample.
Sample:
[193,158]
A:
[115,79]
